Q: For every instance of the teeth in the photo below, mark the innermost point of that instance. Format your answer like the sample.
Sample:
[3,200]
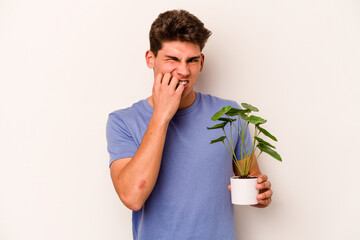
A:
[183,82]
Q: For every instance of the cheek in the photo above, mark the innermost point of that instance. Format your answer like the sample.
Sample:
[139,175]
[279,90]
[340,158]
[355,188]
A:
[169,67]
[195,69]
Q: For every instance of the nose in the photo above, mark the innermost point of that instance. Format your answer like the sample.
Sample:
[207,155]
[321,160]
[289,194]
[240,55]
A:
[183,69]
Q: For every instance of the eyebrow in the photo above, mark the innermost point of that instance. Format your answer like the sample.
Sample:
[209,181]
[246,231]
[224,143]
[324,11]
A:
[176,59]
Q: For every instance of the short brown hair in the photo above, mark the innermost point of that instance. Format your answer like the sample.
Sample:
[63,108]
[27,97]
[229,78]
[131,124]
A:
[177,25]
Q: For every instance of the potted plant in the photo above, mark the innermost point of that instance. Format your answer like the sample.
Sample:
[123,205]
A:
[243,187]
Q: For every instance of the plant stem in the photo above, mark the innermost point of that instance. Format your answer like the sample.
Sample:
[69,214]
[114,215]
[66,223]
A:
[227,139]
[243,163]
[243,132]
[239,134]
[232,146]
[256,159]
[253,161]
[253,146]
[235,161]
[232,142]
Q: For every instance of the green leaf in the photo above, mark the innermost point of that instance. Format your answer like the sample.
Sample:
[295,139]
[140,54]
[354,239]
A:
[220,113]
[220,125]
[243,116]
[260,140]
[235,111]
[227,119]
[266,133]
[250,107]
[240,112]
[220,139]
[256,120]
[269,151]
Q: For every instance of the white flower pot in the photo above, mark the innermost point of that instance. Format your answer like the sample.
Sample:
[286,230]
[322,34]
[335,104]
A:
[243,190]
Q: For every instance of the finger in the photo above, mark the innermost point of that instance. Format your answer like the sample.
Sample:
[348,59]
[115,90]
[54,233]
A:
[262,178]
[229,187]
[166,79]
[264,185]
[264,195]
[179,90]
[265,202]
[158,78]
[174,82]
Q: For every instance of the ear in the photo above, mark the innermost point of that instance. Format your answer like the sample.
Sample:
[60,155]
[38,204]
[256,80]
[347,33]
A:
[202,62]
[150,58]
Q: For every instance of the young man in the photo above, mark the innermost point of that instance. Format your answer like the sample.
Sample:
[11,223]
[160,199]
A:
[162,165]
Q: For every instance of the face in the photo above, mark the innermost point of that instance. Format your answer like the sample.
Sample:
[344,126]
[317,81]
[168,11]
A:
[182,59]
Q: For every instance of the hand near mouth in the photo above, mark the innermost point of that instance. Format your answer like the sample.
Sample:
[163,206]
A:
[166,96]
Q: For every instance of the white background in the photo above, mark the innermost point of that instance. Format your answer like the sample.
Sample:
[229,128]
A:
[64,65]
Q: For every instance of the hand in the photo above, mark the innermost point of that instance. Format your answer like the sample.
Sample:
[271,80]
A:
[166,96]
[265,192]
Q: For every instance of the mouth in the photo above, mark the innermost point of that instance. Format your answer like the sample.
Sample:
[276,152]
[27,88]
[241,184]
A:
[185,83]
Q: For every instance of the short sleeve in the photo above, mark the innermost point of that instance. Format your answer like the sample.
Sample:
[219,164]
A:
[120,143]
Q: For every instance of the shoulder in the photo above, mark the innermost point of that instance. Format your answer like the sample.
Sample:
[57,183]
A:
[129,113]
[214,101]
[131,118]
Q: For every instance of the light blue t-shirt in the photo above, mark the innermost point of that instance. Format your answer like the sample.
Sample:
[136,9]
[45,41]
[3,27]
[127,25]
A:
[190,199]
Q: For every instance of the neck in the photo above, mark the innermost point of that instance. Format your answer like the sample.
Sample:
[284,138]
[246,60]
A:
[188,101]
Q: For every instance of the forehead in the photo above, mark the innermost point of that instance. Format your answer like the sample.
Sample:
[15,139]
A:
[177,48]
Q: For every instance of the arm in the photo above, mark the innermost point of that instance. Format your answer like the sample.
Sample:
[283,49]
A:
[134,178]
[255,170]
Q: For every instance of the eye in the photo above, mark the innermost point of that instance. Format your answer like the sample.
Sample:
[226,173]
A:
[194,60]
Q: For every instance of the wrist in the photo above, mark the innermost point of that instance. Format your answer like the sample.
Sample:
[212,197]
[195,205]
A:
[159,120]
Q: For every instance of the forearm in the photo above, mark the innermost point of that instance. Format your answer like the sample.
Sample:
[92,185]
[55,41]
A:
[254,171]
[137,179]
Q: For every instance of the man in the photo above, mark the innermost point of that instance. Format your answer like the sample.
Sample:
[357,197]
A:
[162,165]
